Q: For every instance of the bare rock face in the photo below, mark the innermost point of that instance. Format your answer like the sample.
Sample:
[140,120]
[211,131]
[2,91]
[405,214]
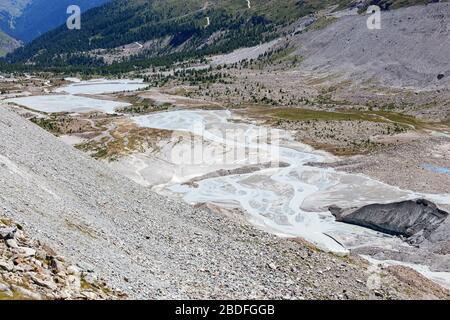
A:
[416,219]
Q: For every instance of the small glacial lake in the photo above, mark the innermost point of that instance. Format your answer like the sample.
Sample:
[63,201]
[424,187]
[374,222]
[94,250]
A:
[436,169]
[68,99]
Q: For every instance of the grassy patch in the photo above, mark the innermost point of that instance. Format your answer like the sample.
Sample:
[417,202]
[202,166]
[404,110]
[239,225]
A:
[47,124]
[83,229]
[98,286]
[398,118]
[296,114]
[126,140]
[322,23]
[60,124]
[144,108]
[15,296]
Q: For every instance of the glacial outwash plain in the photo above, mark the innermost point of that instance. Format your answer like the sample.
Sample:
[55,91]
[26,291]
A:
[305,158]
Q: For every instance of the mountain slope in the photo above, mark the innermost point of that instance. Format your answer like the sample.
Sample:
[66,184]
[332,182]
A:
[12,8]
[7,44]
[28,19]
[182,24]
[412,49]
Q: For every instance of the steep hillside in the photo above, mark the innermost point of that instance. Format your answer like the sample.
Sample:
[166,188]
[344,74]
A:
[7,44]
[411,49]
[153,247]
[27,19]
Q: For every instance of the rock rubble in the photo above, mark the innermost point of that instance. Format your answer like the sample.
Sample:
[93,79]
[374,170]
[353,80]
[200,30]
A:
[30,270]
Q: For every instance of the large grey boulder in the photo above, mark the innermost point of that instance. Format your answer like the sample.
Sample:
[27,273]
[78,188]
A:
[419,218]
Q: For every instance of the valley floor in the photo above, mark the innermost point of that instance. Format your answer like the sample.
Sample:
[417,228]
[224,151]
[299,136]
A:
[93,183]
[153,247]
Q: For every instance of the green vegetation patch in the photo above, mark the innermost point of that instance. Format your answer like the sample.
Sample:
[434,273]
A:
[47,124]
[296,114]
[398,118]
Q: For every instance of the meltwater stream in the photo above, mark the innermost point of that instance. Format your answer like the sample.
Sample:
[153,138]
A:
[290,200]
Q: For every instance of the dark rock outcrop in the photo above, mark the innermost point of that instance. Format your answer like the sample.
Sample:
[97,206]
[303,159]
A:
[418,218]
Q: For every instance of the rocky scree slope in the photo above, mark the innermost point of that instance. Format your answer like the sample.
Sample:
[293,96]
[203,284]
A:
[152,247]
[32,270]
